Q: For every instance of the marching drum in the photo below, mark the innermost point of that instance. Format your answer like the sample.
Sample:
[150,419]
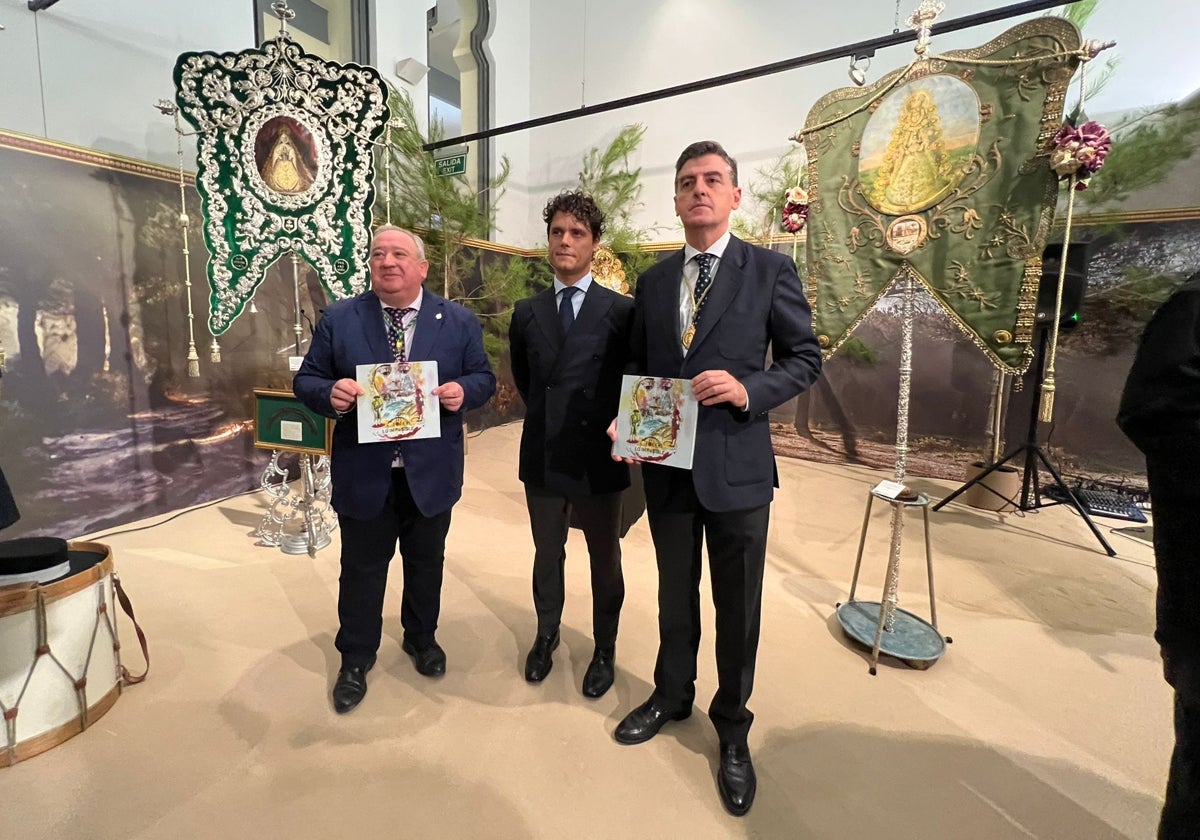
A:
[60,662]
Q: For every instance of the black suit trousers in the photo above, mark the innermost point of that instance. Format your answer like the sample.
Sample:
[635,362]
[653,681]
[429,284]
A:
[1175,555]
[368,546]
[737,551]
[599,516]
[1181,811]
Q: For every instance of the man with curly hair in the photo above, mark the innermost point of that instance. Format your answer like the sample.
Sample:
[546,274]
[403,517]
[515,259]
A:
[568,350]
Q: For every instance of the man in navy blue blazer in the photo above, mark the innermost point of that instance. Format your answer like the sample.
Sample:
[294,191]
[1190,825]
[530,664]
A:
[388,493]
[709,313]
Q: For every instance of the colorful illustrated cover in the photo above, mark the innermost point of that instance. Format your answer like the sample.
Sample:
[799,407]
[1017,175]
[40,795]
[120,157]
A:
[398,403]
[656,421]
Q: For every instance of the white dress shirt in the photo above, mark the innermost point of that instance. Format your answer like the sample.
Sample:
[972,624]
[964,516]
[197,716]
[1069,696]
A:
[581,284]
[691,270]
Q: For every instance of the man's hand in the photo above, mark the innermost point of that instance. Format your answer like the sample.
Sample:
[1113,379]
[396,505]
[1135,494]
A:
[719,386]
[344,394]
[451,395]
[612,435]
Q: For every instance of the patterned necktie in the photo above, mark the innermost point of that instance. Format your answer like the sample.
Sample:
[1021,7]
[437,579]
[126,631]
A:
[396,331]
[566,311]
[395,328]
[699,295]
[703,281]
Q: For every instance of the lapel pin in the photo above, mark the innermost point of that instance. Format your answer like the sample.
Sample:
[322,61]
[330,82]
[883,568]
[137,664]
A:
[438,316]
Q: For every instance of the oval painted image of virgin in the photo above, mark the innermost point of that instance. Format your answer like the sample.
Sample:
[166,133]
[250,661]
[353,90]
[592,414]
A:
[918,143]
[286,156]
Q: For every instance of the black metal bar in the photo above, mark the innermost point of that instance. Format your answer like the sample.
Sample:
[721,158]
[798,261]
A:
[860,48]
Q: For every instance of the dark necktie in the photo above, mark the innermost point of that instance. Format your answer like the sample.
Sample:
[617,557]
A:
[703,281]
[396,331]
[566,312]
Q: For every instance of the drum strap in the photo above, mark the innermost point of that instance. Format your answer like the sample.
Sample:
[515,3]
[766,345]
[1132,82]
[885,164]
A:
[126,676]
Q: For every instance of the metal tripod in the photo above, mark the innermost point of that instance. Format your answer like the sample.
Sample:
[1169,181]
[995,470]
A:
[1030,454]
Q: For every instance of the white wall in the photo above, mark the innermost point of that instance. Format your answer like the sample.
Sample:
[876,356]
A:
[587,52]
[509,46]
[104,64]
[399,33]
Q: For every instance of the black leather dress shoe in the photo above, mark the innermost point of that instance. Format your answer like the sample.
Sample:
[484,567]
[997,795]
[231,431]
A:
[643,723]
[350,688]
[599,676]
[539,662]
[736,781]
[429,659]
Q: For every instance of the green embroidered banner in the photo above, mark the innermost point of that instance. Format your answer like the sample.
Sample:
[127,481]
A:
[941,169]
[285,165]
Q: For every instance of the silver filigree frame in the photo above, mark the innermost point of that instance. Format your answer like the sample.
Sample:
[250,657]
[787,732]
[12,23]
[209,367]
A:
[228,98]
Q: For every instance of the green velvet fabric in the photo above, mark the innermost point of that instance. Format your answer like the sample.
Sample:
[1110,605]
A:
[940,171]
[285,165]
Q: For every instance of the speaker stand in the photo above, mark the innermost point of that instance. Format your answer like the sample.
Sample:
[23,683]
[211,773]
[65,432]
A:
[1030,454]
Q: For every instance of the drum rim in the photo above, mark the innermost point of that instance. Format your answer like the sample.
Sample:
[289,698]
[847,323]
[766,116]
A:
[60,734]
[22,597]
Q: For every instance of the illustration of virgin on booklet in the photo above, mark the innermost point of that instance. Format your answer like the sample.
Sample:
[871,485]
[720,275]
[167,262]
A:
[656,421]
[397,403]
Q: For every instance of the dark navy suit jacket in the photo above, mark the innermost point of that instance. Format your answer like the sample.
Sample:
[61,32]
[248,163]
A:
[571,385]
[351,333]
[756,303]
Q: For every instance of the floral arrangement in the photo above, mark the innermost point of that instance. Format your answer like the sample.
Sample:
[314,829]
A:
[1080,152]
[795,210]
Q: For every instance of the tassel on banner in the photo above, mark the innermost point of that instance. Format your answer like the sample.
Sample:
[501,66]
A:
[1046,409]
[193,362]
[215,353]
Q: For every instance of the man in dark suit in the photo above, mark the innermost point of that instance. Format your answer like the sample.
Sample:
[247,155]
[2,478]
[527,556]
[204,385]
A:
[568,347]
[1160,412]
[388,492]
[709,314]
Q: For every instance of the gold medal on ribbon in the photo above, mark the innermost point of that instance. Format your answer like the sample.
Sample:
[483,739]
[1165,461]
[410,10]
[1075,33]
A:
[688,335]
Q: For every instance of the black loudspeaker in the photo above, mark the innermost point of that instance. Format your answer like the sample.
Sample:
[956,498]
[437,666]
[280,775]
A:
[1073,285]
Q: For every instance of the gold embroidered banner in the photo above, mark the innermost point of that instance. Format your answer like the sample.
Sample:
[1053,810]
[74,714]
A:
[942,169]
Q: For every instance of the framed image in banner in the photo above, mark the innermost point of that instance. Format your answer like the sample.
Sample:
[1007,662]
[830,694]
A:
[283,422]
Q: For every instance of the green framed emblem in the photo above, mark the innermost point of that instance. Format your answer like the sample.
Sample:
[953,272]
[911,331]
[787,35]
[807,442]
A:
[284,423]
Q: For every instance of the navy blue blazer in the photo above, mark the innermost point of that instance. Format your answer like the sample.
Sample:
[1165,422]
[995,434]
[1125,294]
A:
[756,302]
[351,333]
[571,385]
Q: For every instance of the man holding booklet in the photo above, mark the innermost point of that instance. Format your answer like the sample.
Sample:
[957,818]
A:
[389,490]
[709,314]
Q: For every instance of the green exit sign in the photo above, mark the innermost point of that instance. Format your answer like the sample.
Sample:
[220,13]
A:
[453,165]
